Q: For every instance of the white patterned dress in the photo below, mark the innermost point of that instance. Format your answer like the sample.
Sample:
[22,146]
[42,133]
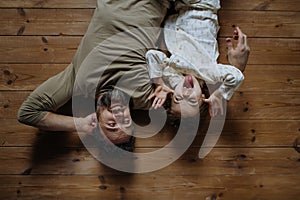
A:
[191,38]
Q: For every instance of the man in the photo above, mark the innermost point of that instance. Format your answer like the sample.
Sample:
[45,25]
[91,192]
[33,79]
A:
[111,54]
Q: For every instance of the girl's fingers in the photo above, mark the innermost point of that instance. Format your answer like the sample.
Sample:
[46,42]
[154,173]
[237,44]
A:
[229,43]
[154,102]
[162,102]
[151,96]
[157,103]
[222,110]
[241,39]
[207,100]
[245,40]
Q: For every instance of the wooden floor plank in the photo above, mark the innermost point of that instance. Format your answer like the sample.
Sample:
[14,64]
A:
[75,22]
[58,49]
[18,77]
[262,5]
[243,105]
[44,159]
[258,78]
[273,187]
[236,133]
[288,5]
[268,51]
[34,21]
[48,4]
[260,24]
[256,157]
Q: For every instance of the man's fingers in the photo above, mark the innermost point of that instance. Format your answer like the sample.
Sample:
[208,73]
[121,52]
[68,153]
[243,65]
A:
[94,117]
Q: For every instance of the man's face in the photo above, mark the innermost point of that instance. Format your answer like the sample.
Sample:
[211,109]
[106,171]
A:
[115,122]
[186,99]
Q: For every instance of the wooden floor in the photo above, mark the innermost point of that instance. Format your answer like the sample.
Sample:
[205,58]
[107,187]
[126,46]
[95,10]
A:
[256,157]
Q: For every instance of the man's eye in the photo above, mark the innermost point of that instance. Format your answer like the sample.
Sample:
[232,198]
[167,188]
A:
[112,124]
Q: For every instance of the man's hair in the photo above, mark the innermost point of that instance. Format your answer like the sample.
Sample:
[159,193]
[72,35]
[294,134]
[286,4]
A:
[110,97]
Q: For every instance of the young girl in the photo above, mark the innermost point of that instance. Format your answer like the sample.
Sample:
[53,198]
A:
[190,36]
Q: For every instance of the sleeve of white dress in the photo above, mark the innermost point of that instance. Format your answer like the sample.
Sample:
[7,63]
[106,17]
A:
[156,62]
[231,79]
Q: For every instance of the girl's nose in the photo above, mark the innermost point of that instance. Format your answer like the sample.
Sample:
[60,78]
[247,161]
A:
[186,93]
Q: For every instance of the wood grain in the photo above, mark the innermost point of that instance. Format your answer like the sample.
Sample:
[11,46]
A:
[256,157]
[75,22]
[258,78]
[61,49]
[236,133]
[43,159]
[288,5]
[243,105]
[145,186]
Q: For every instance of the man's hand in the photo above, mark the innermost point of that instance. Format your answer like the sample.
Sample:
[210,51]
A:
[238,56]
[86,124]
[161,92]
[215,104]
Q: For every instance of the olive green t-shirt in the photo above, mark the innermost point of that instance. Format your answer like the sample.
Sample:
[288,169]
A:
[110,55]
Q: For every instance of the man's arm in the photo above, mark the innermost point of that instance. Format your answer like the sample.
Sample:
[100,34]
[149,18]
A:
[57,122]
[38,109]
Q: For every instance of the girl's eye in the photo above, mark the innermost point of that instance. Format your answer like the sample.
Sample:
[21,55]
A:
[193,101]
[177,98]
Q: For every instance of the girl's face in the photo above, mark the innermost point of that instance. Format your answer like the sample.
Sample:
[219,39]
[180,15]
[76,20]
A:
[187,97]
